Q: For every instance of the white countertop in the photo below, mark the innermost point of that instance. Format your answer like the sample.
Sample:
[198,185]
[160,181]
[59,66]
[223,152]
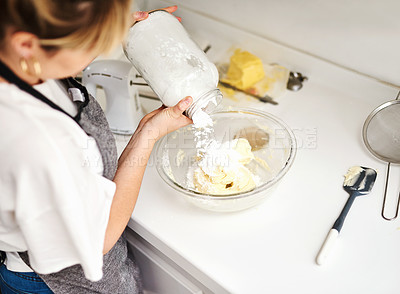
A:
[271,248]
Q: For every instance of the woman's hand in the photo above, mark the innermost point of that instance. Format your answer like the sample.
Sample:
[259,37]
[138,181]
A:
[141,15]
[155,125]
[164,120]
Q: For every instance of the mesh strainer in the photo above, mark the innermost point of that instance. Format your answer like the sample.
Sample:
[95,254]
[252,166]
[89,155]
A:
[381,134]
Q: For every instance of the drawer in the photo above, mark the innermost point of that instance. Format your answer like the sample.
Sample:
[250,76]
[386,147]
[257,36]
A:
[160,274]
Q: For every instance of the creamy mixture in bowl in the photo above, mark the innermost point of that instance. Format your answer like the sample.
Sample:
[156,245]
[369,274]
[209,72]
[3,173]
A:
[235,166]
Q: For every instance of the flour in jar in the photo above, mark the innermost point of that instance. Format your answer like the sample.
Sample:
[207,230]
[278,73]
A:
[172,64]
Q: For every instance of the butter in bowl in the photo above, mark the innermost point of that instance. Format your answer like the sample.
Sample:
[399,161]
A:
[266,149]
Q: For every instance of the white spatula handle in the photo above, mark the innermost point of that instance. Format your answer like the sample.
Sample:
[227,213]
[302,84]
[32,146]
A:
[327,246]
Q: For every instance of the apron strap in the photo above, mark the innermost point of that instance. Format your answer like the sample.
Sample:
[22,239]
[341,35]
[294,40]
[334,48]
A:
[12,78]
[2,257]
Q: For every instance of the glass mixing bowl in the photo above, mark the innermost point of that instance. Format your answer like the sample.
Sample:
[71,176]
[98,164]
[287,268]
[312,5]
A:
[273,144]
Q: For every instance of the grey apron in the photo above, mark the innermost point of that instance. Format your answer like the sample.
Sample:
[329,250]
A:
[120,273]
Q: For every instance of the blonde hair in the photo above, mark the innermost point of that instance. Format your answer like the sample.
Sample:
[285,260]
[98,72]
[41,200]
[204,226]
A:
[97,25]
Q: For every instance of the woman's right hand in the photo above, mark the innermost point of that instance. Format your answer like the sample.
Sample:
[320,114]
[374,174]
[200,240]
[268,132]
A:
[164,120]
[155,125]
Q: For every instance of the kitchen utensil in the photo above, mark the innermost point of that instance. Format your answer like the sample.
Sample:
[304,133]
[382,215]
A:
[176,154]
[358,181]
[381,134]
[266,98]
[117,78]
[295,81]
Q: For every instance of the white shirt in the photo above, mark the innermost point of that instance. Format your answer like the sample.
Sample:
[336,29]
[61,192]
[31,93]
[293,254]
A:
[54,201]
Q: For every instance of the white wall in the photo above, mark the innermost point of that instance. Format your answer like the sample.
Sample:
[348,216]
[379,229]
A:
[363,35]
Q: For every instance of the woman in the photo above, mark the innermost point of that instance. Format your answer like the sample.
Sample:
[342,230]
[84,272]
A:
[65,200]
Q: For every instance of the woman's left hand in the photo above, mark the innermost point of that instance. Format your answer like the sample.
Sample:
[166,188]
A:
[141,15]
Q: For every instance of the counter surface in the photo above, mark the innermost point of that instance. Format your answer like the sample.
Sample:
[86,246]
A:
[272,247]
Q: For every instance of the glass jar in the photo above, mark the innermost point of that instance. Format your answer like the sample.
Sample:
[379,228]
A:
[172,64]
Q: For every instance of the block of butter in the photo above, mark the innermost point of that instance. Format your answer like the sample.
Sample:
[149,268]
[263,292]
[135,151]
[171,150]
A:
[245,69]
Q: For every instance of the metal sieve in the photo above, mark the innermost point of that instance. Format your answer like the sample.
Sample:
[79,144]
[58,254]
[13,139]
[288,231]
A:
[381,134]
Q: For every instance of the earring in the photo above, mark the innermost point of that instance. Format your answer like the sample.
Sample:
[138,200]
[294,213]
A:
[24,65]
[36,67]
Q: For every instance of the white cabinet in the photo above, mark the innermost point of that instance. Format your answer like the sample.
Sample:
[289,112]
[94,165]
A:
[160,274]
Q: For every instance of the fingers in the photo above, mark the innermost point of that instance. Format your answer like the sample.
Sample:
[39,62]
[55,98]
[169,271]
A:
[167,119]
[140,15]
[150,115]
[172,9]
[182,105]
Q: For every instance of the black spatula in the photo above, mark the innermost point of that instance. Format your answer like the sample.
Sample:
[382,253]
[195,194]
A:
[358,181]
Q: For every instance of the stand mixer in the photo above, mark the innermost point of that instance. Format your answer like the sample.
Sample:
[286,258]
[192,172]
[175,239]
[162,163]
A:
[123,110]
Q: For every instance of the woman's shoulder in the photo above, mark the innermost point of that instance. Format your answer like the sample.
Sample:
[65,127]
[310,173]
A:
[20,112]
[32,129]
